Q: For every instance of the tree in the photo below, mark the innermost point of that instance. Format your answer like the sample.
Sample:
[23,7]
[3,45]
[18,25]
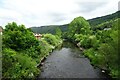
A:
[58,32]
[18,37]
[78,26]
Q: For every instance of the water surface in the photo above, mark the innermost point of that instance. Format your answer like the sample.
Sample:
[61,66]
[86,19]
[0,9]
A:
[69,62]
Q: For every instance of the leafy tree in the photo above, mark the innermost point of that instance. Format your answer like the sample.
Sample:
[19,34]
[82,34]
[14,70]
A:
[18,37]
[58,32]
[78,26]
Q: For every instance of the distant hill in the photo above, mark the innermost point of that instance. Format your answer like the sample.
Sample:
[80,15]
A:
[93,22]
[49,29]
[106,25]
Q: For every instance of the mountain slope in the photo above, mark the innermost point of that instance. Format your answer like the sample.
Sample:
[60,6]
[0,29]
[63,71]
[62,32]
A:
[49,29]
[93,22]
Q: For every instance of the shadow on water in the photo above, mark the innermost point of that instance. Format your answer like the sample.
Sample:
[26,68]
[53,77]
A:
[67,61]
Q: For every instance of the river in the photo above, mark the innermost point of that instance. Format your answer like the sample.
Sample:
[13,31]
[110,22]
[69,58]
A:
[69,62]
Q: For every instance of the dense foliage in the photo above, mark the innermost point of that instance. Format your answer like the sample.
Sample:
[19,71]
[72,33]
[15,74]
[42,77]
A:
[101,45]
[22,52]
[77,26]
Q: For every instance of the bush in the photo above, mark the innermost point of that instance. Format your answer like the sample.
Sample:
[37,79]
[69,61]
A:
[17,65]
[107,51]
[51,39]
[87,41]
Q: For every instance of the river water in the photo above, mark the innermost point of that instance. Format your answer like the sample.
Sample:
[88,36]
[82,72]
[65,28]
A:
[69,62]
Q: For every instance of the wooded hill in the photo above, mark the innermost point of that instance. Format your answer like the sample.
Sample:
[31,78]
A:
[93,22]
[49,29]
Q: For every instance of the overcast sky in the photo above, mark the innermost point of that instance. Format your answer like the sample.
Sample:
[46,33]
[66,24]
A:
[52,12]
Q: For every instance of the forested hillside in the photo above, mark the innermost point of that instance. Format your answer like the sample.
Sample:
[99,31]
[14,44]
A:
[49,29]
[93,22]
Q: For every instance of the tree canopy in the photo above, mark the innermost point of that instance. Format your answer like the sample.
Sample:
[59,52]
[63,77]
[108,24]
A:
[78,26]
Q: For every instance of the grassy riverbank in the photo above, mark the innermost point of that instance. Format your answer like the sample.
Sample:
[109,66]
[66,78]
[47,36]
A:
[101,46]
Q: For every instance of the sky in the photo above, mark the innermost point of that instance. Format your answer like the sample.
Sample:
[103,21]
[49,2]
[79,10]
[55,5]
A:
[52,12]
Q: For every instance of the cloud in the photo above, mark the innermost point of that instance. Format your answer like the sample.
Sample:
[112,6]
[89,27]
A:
[86,7]
[119,5]
[52,12]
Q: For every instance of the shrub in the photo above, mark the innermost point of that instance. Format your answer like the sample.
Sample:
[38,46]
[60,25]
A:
[51,39]
[17,65]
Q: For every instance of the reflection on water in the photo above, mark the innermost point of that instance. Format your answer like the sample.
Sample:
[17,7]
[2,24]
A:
[74,49]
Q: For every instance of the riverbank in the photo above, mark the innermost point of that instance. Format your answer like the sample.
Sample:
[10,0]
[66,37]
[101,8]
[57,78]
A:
[49,47]
[49,52]
[22,52]
[103,70]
